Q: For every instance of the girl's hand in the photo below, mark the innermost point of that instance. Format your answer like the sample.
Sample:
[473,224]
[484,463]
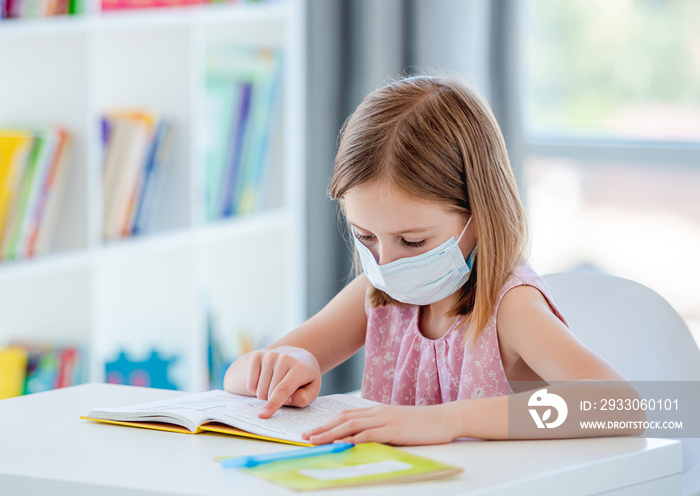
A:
[283,376]
[398,425]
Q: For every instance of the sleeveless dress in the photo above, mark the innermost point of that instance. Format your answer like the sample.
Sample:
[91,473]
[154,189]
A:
[403,367]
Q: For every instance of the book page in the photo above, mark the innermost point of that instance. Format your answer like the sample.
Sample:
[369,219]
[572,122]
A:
[289,422]
[235,410]
[189,411]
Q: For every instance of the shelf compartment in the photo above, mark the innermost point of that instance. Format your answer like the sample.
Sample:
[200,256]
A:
[53,91]
[150,69]
[47,306]
[146,302]
[245,284]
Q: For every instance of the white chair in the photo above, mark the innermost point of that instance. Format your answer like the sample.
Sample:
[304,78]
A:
[637,332]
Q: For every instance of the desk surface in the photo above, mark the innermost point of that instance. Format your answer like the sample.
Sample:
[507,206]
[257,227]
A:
[46,449]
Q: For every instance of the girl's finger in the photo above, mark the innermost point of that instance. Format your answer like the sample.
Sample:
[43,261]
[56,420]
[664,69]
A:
[345,429]
[279,396]
[279,373]
[266,370]
[335,421]
[254,373]
[343,416]
[305,394]
[375,435]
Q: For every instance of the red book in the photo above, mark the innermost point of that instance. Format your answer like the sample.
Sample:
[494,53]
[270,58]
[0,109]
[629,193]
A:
[39,215]
[66,367]
[108,5]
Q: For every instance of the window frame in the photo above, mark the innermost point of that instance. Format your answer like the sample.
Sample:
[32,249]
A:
[507,71]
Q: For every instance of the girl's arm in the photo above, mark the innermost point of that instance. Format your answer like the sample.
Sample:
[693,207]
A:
[289,370]
[527,330]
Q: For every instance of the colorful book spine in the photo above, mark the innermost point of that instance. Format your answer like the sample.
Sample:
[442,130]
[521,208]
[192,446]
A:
[45,211]
[15,147]
[50,203]
[231,182]
[17,9]
[29,159]
[108,5]
[40,158]
[222,98]
[135,144]
[263,127]
[152,183]
[246,80]
[13,366]
[31,368]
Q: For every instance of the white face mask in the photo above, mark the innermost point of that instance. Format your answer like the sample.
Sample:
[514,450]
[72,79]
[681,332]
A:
[423,279]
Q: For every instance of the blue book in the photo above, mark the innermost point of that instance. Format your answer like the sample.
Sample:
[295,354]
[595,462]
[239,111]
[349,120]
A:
[158,155]
[231,183]
[263,126]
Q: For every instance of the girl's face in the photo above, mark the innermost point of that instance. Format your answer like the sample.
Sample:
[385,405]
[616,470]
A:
[394,226]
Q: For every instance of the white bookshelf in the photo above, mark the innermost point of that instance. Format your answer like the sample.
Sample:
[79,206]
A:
[153,290]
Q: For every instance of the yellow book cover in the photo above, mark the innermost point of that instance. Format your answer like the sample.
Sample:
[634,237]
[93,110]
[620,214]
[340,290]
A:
[14,150]
[13,367]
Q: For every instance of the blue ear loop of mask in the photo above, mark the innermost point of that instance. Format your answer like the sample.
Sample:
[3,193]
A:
[424,279]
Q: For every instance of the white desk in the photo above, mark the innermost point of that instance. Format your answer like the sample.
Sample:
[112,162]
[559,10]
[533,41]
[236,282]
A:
[46,449]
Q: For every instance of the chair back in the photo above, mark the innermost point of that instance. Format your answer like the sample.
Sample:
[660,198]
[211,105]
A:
[628,324]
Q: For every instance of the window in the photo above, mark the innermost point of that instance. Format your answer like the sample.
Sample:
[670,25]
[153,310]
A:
[624,68]
[607,139]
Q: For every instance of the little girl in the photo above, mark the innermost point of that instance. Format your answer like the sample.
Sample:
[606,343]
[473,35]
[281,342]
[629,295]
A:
[448,310]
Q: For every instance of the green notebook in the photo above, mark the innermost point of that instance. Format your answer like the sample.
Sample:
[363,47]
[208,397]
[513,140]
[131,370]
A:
[365,464]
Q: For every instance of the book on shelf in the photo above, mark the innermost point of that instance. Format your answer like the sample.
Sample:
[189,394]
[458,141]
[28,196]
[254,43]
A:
[24,9]
[14,150]
[228,413]
[32,368]
[33,163]
[112,5]
[151,181]
[13,366]
[40,8]
[137,148]
[242,95]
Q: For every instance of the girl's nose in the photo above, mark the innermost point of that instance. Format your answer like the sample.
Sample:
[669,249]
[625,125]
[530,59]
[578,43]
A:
[385,254]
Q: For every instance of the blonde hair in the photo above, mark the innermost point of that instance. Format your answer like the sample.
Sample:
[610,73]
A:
[436,139]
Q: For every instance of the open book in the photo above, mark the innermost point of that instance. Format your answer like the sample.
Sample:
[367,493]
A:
[228,413]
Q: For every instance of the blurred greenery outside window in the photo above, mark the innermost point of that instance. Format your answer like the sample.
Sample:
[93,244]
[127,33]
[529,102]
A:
[610,123]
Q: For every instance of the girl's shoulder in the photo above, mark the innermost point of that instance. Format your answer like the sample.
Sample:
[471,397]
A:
[526,278]
[524,275]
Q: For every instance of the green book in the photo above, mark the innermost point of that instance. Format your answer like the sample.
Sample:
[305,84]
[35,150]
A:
[363,465]
[40,157]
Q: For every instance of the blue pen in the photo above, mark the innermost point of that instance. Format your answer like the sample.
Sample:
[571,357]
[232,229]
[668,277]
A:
[255,460]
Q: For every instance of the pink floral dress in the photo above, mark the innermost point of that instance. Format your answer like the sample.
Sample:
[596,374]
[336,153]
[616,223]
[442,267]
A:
[403,367]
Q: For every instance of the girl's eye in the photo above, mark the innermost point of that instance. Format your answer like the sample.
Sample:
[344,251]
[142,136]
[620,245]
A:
[364,237]
[413,244]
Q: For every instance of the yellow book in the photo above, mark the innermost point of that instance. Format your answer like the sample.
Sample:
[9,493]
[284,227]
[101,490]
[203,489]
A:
[13,367]
[227,413]
[14,150]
